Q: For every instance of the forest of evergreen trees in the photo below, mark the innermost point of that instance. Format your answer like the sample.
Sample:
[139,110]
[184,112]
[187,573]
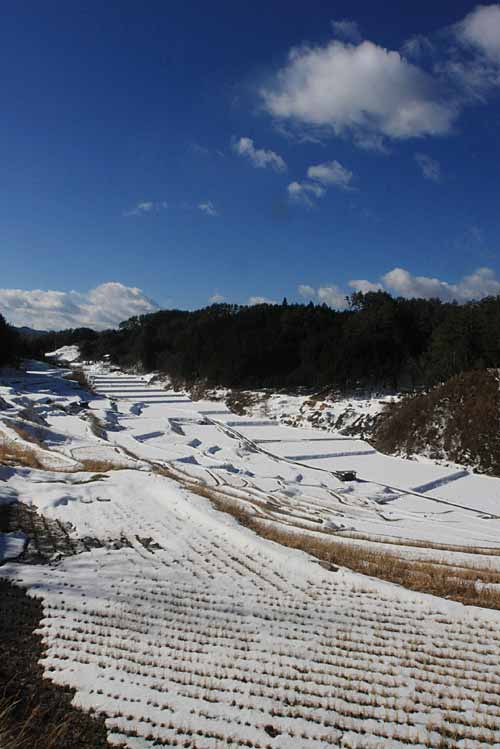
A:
[379,341]
[11,344]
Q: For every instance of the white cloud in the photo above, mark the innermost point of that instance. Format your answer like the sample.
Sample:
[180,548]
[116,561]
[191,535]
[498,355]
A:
[477,285]
[208,208]
[481,30]
[306,291]
[431,169]
[260,300]
[302,192]
[365,286]
[363,90]
[347,29]
[260,157]
[331,173]
[321,176]
[216,298]
[147,206]
[472,61]
[400,282]
[357,88]
[105,306]
[332,295]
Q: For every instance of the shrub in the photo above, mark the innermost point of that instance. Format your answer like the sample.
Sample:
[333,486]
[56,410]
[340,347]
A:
[455,421]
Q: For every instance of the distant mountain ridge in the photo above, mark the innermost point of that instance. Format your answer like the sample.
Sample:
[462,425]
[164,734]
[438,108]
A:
[25,330]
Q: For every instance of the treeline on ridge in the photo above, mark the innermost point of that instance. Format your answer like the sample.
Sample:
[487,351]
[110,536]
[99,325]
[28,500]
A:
[379,341]
[12,345]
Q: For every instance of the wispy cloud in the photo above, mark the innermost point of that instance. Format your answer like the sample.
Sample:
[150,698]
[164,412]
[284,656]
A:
[199,149]
[320,177]
[474,60]
[253,300]
[147,207]
[259,157]
[331,173]
[418,47]
[216,298]
[105,306]
[208,208]
[304,192]
[347,29]
[481,30]
[431,169]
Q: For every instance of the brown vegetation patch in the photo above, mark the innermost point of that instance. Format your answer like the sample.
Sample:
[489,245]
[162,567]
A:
[97,427]
[241,401]
[79,376]
[462,582]
[415,543]
[92,465]
[30,434]
[34,712]
[13,453]
[456,421]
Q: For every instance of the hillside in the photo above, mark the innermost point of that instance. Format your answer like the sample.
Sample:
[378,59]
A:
[379,343]
[181,627]
[457,421]
[349,414]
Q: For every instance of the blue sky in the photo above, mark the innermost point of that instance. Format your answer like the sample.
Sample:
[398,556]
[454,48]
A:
[238,152]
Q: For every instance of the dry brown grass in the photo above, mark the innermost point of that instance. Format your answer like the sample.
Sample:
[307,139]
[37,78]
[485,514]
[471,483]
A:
[34,712]
[97,427]
[241,401]
[415,543]
[455,582]
[12,453]
[101,466]
[32,435]
[18,735]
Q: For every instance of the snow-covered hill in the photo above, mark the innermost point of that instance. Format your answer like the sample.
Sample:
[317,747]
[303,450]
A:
[65,354]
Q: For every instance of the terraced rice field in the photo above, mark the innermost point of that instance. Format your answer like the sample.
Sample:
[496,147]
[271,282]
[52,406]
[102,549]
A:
[185,629]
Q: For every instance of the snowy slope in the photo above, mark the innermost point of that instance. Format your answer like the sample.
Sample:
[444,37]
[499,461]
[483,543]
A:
[186,629]
[65,354]
[355,415]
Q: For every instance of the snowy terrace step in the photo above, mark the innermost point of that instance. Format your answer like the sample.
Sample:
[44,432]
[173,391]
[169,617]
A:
[304,439]
[253,423]
[322,456]
[430,485]
[260,454]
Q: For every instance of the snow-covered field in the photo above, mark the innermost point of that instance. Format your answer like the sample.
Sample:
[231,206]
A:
[186,629]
